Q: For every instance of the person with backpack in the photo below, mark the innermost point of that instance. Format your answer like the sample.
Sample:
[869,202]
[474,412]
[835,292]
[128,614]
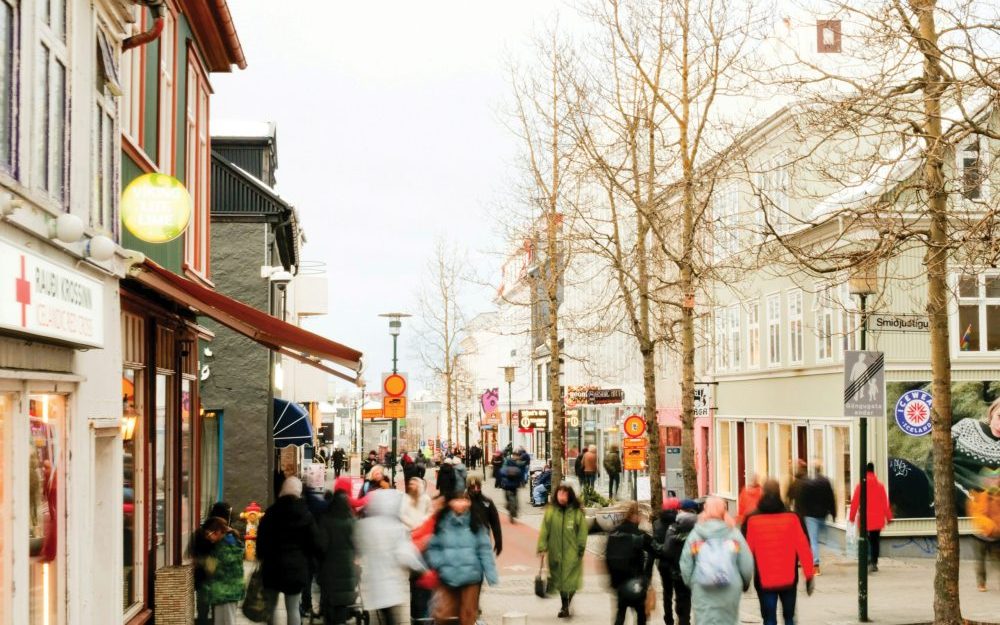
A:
[563,540]
[510,481]
[613,467]
[336,575]
[717,566]
[629,565]
[777,540]
[669,549]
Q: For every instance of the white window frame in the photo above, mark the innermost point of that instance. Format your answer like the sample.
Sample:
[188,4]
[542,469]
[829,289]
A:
[105,151]
[197,167]
[14,74]
[166,114]
[983,157]
[719,339]
[982,302]
[826,322]
[132,64]
[725,203]
[753,334]
[773,310]
[45,167]
[849,320]
[734,337]
[796,342]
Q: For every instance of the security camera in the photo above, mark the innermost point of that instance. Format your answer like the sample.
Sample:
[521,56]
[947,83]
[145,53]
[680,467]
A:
[281,279]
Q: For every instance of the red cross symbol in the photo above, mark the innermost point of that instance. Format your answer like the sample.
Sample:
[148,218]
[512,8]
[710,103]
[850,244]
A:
[23,294]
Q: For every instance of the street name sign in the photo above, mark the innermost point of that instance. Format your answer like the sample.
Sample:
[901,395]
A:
[898,323]
[864,384]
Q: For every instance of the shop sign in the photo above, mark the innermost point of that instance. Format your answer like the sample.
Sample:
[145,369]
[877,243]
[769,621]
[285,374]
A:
[576,395]
[489,400]
[605,396]
[702,400]
[536,419]
[41,298]
[156,208]
[491,419]
[913,412]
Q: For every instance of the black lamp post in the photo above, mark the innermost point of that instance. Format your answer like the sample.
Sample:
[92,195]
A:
[508,376]
[395,324]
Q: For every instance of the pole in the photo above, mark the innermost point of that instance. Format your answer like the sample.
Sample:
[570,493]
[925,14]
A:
[863,494]
[395,422]
[510,418]
[466,434]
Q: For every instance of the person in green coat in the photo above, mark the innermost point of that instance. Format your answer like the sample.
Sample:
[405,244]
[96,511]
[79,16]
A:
[223,585]
[564,539]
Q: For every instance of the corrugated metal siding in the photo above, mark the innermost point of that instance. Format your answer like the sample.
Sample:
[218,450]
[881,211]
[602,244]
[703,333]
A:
[170,254]
[246,157]
[233,193]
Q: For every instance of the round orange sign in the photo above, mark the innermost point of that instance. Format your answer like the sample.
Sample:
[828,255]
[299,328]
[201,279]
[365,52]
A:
[635,426]
[394,385]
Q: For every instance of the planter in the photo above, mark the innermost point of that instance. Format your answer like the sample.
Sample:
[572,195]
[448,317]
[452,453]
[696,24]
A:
[609,518]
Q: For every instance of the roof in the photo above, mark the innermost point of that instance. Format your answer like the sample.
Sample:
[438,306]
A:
[213,27]
[243,129]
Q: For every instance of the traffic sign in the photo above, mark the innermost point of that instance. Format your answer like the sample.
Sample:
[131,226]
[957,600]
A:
[371,413]
[635,458]
[864,384]
[394,384]
[394,407]
[635,426]
[635,443]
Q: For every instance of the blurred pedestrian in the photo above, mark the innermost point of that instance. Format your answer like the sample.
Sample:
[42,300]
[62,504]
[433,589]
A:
[749,498]
[447,480]
[369,464]
[613,467]
[286,538]
[629,565]
[374,480]
[717,566]
[461,473]
[984,507]
[336,574]
[497,464]
[461,553]
[879,513]
[486,509]
[540,489]
[223,583]
[510,482]
[590,467]
[669,551]
[416,504]
[779,546]
[200,549]
[661,525]
[815,502]
[798,480]
[563,540]
[339,461]
[388,555]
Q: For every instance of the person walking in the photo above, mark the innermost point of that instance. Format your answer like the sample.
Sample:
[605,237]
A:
[388,555]
[497,464]
[879,513]
[662,525]
[374,481]
[779,546]
[798,480]
[223,564]
[613,467]
[748,499]
[486,509]
[669,550]
[629,566]
[336,573]
[338,459]
[590,467]
[984,508]
[510,481]
[369,464]
[461,553]
[447,480]
[200,549]
[286,538]
[716,564]
[815,502]
[563,540]
[461,473]
[416,504]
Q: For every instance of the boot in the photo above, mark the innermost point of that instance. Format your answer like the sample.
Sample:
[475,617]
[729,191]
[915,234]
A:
[564,611]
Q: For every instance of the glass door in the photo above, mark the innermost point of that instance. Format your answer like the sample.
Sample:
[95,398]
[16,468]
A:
[7,404]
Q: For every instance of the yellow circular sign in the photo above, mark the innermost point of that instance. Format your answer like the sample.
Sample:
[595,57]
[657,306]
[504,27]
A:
[394,385]
[156,208]
[635,426]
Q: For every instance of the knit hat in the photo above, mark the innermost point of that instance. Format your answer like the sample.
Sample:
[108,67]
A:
[671,503]
[291,486]
[689,504]
[342,485]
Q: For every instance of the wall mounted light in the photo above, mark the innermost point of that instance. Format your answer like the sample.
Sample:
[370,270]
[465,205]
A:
[67,227]
[100,248]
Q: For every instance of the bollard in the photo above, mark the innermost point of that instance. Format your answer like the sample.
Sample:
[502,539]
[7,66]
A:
[515,618]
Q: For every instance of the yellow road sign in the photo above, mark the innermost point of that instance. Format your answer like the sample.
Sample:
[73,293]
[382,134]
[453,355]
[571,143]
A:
[371,413]
[394,407]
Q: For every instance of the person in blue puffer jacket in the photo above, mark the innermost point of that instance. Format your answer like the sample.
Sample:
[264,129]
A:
[461,553]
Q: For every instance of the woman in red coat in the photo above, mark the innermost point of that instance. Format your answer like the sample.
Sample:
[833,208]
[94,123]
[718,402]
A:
[879,513]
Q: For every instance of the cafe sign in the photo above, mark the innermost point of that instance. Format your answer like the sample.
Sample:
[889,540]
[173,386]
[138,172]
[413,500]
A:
[533,419]
[156,208]
[41,298]
[605,396]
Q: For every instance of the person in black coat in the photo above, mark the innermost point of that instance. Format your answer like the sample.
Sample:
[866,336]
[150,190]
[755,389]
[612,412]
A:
[286,539]
[670,531]
[496,463]
[447,480]
[632,581]
[339,459]
[485,509]
[337,575]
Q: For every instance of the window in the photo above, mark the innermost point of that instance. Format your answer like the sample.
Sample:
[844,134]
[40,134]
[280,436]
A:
[186,488]
[725,484]
[840,468]
[721,340]
[795,326]
[7,401]
[166,102]
[825,323]
[849,319]
[735,332]
[772,188]
[753,335]
[8,84]
[197,168]
[725,203]
[546,384]
[162,470]
[104,153]
[783,456]
[972,169]
[133,62]
[46,455]
[827,36]
[538,393]
[979,313]
[50,131]
[761,466]
[132,397]
[774,330]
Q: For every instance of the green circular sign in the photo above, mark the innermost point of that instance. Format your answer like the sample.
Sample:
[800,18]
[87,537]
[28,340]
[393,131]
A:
[156,208]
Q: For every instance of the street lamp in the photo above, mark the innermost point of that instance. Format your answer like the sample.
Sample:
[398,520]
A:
[863,282]
[395,324]
[508,376]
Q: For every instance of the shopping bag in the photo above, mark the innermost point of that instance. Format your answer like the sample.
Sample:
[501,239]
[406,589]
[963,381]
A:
[255,606]
[851,542]
[541,580]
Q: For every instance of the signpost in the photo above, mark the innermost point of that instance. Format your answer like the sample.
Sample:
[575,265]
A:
[634,449]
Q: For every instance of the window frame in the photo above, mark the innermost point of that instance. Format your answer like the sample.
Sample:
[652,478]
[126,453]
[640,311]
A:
[826,347]
[734,331]
[10,167]
[133,64]
[42,168]
[774,354]
[197,165]
[982,303]
[725,203]
[166,123]
[720,317]
[795,324]
[753,335]
[982,164]
[833,26]
[105,157]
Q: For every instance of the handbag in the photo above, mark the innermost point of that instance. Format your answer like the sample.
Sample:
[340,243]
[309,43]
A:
[541,580]
[650,600]
[255,605]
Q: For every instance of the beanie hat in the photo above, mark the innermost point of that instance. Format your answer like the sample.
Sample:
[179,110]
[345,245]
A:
[689,504]
[291,486]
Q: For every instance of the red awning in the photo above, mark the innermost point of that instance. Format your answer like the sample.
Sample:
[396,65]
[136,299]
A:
[269,331]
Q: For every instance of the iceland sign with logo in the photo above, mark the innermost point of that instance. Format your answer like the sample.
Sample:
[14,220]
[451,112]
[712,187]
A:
[913,412]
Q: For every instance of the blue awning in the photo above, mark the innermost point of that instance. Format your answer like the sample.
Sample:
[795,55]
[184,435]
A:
[291,424]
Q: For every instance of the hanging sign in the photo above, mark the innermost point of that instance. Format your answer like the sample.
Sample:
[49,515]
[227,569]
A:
[913,413]
[489,400]
[533,419]
[156,208]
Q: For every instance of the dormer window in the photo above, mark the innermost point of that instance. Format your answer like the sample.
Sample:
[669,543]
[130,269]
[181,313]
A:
[828,36]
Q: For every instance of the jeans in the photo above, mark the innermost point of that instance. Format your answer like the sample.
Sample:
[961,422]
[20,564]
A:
[589,479]
[985,551]
[538,494]
[511,502]
[769,605]
[614,481]
[874,546]
[291,606]
[203,611]
[816,527]
[224,613]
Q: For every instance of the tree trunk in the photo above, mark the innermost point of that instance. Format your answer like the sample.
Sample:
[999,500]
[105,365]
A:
[947,609]
[448,407]
[652,426]
[688,468]
[555,394]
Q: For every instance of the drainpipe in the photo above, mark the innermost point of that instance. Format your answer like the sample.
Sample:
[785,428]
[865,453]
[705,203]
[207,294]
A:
[141,39]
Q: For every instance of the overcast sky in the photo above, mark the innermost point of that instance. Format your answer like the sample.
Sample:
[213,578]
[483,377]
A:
[389,134]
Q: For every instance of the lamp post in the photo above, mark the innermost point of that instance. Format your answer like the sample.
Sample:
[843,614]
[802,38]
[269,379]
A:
[508,376]
[395,323]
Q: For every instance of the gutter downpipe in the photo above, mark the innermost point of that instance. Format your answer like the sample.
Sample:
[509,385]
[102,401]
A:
[141,39]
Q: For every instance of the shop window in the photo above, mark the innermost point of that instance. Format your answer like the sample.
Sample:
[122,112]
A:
[753,334]
[725,485]
[774,330]
[50,131]
[46,508]
[188,513]
[132,405]
[840,469]
[795,326]
[8,89]
[761,458]
[162,469]
[7,401]
[979,313]
[785,462]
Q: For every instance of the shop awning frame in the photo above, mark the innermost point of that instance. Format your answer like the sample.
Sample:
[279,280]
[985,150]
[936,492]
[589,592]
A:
[271,332]
[291,424]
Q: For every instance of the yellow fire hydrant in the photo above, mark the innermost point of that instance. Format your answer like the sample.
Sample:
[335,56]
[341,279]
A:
[251,514]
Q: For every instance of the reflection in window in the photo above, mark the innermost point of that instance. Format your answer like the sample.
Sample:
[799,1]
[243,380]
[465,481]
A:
[46,475]
[187,449]
[760,457]
[840,472]
[6,415]
[209,465]
[160,470]
[784,456]
[725,458]
[131,432]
